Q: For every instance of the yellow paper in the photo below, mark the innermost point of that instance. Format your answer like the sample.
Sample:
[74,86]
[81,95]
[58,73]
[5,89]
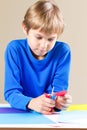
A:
[77,107]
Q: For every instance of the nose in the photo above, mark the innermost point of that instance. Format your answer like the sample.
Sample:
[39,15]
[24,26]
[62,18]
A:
[44,44]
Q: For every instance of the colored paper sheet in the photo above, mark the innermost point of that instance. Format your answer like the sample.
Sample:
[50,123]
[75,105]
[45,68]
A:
[78,107]
[13,116]
[70,117]
[9,110]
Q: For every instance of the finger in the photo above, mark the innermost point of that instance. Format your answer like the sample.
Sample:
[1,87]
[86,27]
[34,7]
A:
[69,101]
[49,103]
[47,113]
[64,106]
[47,110]
[67,96]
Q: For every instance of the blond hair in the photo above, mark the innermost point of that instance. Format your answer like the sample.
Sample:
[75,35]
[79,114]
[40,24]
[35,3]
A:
[46,15]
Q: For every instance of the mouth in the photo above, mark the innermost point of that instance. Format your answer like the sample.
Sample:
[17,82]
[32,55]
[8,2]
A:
[39,52]
[42,51]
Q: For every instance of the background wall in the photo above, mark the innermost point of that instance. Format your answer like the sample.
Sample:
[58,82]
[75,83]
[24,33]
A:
[74,11]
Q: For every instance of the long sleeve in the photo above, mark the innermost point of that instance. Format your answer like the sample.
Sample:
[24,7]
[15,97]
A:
[13,89]
[60,79]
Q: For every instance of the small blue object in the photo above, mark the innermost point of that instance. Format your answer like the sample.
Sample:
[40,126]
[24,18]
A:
[53,97]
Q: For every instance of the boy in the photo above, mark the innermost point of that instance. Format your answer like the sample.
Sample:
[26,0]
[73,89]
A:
[35,64]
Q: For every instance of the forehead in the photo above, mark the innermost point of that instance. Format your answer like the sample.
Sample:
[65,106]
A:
[40,33]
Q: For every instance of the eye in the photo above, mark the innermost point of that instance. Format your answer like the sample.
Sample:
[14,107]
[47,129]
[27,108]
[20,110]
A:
[39,38]
[50,39]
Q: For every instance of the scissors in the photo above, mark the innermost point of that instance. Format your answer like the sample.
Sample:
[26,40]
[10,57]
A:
[53,94]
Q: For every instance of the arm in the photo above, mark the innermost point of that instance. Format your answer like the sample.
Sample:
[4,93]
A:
[61,64]
[13,91]
[61,77]
[61,81]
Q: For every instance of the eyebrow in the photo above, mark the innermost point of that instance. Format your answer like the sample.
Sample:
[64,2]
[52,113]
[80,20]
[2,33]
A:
[52,37]
[39,35]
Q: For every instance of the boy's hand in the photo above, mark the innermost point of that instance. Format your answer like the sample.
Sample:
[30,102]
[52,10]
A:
[63,102]
[42,104]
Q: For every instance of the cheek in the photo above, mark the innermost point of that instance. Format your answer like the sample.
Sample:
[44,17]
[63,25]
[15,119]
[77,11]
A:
[51,45]
[31,42]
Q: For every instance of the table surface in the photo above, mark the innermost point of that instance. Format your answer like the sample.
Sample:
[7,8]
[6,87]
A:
[13,118]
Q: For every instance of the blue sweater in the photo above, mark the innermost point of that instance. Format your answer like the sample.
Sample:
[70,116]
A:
[27,78]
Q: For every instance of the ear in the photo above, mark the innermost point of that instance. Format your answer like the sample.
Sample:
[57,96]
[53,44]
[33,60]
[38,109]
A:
[24,28]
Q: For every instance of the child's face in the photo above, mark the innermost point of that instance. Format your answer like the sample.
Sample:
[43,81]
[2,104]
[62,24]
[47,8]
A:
[40,43]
